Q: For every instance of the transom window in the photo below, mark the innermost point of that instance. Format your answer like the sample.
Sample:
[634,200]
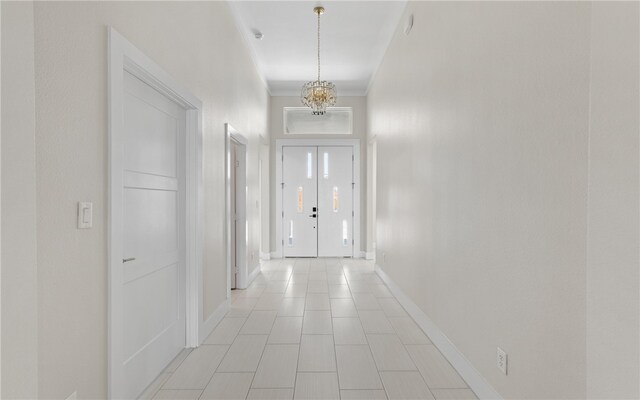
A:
[300,121]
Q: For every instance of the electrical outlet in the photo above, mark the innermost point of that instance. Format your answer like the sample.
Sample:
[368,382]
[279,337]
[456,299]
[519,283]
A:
[501,360]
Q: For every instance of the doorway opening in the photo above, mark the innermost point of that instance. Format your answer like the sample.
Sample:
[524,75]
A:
[236,188]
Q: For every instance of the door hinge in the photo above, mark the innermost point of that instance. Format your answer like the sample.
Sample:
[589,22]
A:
[283,214]
[353,213]
[282,185]
[353,242]
[237,164]
[353,158]
[283,242]
[353,185]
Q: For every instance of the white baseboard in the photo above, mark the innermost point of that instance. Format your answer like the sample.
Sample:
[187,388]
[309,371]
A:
[371,255]
[265,256]
[360,254]
[467,371]
[274,254]
[252,276]
[210,324]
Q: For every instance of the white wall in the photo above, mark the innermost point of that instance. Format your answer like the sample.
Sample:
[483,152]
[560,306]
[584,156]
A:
[489,179]
[199,45]
[359,105]
[19,276]
[613,295]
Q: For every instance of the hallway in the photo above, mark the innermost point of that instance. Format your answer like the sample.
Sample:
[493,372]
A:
[313,329]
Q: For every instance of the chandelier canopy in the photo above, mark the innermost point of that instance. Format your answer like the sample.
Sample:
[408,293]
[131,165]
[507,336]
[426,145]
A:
[318,95]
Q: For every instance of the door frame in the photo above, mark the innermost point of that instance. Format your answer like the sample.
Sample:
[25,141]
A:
[124,56]
[232,134]
[355,143]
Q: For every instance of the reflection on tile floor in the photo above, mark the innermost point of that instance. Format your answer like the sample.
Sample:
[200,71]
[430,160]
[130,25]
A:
[313,329]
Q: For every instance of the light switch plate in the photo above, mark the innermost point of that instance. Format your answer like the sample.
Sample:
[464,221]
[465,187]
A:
[85,215]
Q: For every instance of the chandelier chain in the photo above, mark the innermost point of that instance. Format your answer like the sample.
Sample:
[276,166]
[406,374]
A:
[318,46]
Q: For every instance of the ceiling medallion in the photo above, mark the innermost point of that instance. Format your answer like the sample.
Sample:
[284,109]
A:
[318,95]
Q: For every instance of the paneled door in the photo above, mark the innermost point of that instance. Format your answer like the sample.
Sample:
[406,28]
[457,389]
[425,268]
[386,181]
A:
[153,236]
[317,201]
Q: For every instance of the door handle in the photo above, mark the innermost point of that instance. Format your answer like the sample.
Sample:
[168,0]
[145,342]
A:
[124,260]
[313,215]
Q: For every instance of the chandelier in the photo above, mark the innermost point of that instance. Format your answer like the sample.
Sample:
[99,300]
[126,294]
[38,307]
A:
[318,95]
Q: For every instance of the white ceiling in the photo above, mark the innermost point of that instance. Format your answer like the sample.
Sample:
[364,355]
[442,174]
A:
[354,37]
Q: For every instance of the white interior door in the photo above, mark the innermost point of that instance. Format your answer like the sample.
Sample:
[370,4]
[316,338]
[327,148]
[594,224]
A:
[299,201]
[153,235]
[335,201]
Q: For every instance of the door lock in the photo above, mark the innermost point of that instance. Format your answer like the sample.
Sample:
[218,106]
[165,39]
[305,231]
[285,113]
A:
[313,215]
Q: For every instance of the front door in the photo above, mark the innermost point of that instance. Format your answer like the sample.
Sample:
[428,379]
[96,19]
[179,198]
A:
[153,234]
[317,201]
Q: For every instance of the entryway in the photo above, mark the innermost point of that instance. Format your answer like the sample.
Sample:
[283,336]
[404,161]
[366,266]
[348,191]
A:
[318,198]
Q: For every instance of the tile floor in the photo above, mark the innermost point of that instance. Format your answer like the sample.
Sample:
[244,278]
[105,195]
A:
[313,329]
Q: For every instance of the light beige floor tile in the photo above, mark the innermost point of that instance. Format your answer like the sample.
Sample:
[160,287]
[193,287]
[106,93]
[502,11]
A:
[296,290]
[241,307]
[359,287]
[405,385]
[389,353]
[363,395]
[317,301]
[252,291]
[317,354]
[291,307]
[317,276]
[339,292]
[270,394]
[365,301]
[196,370]
[334,268]
[269,301]
[226,331]
[408,331]
[177,394]
[283,275]
[375,322]
[317,322]
[453,394]
[178,360]
[380,291]
[356,368]
[343,308]
[259,322]
[435,369]
[277,368]
[244,354]
[299,278]
[348,331]
[375,280]
[392,308]
[336,279]
[228,385]
[286,330]
[276,286]
[318,287]
[317,386]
